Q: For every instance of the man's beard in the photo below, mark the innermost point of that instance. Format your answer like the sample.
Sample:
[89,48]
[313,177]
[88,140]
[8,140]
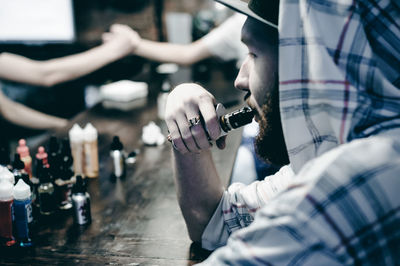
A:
[270,143]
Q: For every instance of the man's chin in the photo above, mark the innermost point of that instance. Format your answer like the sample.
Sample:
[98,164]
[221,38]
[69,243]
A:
[270,143]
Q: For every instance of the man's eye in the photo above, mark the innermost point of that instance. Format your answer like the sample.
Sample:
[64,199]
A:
[252,55]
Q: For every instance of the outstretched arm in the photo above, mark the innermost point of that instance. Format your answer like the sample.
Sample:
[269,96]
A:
[181,54]
[117,43]
[24,116]
[199,188]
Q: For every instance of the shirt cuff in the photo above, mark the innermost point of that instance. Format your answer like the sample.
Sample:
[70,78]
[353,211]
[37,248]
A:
[215,234]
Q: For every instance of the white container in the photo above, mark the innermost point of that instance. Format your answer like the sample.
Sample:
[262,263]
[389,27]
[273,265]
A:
[6,191]
[22,191]
[76,142]
[91,151]
[124,95]
[5,174]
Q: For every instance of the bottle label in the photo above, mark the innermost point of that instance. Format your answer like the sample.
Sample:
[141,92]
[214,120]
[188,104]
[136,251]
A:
[23,215]
[118,163]
[91,159]
[28,209]
[47,203]
[81,209]
[6,219]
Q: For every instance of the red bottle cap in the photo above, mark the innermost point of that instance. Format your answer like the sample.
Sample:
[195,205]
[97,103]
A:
[22,149]
[42,155]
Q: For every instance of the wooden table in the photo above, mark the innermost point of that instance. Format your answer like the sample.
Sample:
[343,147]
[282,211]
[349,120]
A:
[136,220]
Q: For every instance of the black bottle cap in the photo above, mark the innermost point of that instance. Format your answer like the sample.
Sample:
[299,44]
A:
[54,157]
[44,174]
[53,145]
[80,185]
[17,163]
[65,147]
[66,156]
[116,144]
[4,156]
[66,172]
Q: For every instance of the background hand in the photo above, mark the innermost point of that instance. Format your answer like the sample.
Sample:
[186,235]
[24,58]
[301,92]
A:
[124,39]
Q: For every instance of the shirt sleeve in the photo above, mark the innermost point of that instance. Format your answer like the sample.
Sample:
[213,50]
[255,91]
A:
[238,205]
[276,237]
[342,208]
[225,42]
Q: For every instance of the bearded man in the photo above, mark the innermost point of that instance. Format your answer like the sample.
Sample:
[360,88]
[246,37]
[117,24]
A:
[331,118]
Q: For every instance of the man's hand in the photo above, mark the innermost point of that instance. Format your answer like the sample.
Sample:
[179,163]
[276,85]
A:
[124,39]
[187,104]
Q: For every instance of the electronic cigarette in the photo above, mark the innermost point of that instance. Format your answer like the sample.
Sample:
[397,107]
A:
[230,121]
[233,119]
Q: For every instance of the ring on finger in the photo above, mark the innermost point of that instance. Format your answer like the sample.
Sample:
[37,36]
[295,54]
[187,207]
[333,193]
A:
[194,121]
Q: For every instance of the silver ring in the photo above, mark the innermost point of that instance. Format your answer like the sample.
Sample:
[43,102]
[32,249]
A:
[194,121]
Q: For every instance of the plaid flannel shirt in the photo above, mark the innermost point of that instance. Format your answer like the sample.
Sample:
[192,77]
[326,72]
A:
[339,202]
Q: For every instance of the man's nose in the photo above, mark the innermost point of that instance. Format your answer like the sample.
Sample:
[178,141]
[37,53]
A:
[242,79]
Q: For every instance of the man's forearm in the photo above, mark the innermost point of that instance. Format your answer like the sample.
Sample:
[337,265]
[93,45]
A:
[199,189]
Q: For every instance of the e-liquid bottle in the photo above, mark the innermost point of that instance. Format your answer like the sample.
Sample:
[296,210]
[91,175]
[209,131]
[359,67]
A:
[23,218]
[118,158]
[5,174]
[23,152]
[54,157]
[91,151]
[6,201]
[46,193]
[19,171]
[66,178]
[66,155]
[76,141]
[81,202]
[41,160]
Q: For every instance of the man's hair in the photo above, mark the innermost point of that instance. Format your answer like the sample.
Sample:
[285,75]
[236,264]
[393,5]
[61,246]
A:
[263,32]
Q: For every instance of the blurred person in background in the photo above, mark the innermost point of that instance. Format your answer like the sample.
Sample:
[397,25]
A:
[117,43]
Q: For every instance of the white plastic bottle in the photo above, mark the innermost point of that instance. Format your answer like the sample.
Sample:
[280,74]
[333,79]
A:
[76,142]
[23,218]
[5,174]
[91,151]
